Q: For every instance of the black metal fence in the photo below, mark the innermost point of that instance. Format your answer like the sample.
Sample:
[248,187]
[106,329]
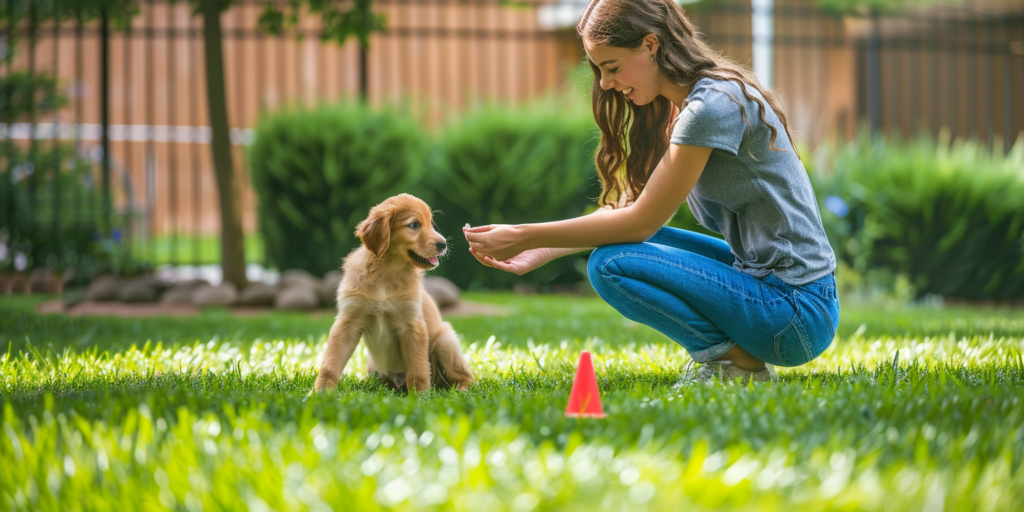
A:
[135,133]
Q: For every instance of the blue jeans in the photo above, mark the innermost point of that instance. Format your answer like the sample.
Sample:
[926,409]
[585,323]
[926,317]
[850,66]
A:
[684,285]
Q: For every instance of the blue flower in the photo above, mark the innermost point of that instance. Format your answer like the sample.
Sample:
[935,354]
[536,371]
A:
[836,205]
[115,234]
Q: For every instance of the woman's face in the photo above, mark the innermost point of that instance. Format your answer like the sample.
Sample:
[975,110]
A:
[629,71]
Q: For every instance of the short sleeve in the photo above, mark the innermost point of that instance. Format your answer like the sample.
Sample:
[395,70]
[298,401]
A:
[712,117]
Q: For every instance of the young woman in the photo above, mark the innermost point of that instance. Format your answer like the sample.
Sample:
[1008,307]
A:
[681,122]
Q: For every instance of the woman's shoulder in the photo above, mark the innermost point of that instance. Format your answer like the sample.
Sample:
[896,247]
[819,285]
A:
[714,90]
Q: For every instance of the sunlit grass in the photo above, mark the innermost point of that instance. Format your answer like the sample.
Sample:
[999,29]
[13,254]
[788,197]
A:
[212,414]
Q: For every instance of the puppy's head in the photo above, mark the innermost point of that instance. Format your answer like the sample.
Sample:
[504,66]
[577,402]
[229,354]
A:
[402,226]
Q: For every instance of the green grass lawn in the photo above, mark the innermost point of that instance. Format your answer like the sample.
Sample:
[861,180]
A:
[910,409]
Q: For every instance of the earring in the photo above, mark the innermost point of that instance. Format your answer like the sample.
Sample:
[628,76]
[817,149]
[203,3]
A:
[652,57]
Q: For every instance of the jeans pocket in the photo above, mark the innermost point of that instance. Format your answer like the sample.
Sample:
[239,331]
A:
[832,320]
[810,332]
[791,345]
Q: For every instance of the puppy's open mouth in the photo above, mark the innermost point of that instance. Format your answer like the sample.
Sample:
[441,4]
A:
[427,262]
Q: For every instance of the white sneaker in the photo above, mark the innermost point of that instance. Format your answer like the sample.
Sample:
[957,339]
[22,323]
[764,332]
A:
[725,371]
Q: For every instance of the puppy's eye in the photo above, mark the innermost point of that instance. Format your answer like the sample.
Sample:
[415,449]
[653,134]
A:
[415,225]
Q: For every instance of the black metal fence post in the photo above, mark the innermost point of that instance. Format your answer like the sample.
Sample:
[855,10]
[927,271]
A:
[364,82]
[874,86]
[9,172]
[193,151]
[172,140]
[129,232]
[79,86]
[33,178]
[105,117]
[1007,115]
[56,238]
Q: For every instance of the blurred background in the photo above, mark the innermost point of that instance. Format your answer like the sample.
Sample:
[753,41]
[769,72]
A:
[233,140]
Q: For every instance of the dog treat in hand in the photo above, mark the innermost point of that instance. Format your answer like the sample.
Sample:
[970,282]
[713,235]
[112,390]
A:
[467,226]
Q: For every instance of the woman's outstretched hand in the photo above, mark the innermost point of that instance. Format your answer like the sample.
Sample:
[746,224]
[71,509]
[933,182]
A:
[498,241]
[518,264]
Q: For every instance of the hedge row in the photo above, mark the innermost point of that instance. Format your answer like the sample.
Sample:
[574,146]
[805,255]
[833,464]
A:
[950,216]
[318,172]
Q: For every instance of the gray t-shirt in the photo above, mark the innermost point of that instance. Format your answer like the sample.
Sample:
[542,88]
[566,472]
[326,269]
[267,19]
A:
[760,200]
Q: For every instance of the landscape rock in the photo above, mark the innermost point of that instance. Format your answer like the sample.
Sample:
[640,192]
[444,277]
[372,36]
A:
[189,285]
[105,288]
[298,298]
[140,290]
[443,291]
[43,280]
[294,277]
[329,288]
[73,297]
[258,294]
[68,275]
[20,283]
[155,282]
[224,294]
[176,296]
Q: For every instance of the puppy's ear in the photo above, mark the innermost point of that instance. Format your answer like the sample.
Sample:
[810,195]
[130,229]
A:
[375,231]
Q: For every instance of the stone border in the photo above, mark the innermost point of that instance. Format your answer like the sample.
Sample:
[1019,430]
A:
[129,310]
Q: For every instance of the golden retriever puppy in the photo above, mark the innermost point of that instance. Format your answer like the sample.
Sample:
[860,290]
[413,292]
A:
[381,299]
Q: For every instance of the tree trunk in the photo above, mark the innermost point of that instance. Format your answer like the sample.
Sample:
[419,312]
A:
[232,257]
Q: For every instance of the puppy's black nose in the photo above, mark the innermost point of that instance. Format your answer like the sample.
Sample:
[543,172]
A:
[441,246]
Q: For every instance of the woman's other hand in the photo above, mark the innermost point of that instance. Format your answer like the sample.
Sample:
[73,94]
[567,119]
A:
[499,241]
[520,263]
[485,261]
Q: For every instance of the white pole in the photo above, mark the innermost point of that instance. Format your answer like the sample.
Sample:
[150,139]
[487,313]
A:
[763,35]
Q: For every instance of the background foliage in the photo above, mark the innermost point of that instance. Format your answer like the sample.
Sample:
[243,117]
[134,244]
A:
[949,215]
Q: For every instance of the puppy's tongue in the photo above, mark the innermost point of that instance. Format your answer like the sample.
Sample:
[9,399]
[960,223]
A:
[433,261]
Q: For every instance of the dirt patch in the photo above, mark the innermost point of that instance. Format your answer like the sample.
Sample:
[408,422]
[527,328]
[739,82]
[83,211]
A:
[120,309]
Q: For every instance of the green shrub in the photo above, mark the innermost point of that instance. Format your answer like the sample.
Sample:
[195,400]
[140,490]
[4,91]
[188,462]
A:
[22,93]
[318,172]
[55,225]
[949,216]
[509,165]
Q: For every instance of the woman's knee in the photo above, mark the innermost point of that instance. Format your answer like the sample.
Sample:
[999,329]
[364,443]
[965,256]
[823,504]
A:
[601,258]
[601,265]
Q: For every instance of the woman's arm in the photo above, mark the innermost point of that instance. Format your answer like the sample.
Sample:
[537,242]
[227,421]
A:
[667,188]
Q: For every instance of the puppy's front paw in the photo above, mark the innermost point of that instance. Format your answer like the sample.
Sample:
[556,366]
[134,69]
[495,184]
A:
[314,392]
[418,384]
[325,383]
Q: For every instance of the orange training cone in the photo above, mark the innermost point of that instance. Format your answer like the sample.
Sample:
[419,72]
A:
[585,399]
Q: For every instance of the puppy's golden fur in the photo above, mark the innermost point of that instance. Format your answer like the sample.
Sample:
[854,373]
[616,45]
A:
[381,298]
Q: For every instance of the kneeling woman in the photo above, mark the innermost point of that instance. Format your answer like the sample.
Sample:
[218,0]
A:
[688,124]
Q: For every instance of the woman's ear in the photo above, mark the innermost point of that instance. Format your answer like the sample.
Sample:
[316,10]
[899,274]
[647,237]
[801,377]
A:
[651,44]
[375,231]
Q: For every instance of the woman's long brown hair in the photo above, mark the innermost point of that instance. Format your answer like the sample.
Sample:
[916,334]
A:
[634,138]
